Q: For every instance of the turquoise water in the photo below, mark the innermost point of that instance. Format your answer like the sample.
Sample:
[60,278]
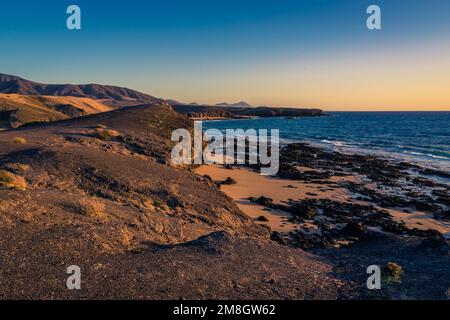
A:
[421,137]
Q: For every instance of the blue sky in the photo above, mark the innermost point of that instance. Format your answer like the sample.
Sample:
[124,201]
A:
[212,51]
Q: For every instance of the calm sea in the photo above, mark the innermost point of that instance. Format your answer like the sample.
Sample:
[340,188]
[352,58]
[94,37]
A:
[421,137]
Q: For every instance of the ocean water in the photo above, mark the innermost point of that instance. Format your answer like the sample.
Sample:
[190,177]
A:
[419,137]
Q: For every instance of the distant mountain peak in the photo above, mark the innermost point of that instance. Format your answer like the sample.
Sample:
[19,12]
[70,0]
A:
[240,104]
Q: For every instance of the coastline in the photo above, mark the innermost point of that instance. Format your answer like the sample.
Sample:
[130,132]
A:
[388,135]
[312,184]
[354,211]
[252,184]
[212,118]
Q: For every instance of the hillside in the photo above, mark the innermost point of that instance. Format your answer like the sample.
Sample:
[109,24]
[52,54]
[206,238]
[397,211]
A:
[16,110]
[121,97]
[99,192]
[110,95]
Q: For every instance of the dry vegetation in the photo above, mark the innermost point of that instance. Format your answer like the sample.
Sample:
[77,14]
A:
[20,140]
[11,181]
[158,203]
[92,208]
[395,272]
[105,134]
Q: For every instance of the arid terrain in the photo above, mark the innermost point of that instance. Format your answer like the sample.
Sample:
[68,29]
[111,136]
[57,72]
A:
[96,188]
[17,110]
[109,95]
[99,192]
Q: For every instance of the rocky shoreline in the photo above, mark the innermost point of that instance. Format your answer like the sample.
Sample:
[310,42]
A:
[205,112]
[386,182]
[377,186]
[376,224]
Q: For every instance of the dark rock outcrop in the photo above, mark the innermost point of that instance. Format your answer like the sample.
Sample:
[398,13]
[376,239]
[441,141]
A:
[200,111]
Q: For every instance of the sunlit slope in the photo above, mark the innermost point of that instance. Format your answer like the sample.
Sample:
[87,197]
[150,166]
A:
[16,110]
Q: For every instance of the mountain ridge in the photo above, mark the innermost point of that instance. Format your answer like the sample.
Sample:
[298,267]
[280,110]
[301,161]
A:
[112,95]
[240,104]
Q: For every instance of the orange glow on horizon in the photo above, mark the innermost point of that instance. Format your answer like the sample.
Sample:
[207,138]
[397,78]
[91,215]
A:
[402,78]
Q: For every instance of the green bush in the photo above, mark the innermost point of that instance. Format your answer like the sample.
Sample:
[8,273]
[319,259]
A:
[158,203]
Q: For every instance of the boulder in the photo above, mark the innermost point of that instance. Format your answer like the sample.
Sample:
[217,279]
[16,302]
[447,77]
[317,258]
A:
[229,181]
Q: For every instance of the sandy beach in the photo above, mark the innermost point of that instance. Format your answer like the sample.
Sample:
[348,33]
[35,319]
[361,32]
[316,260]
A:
[252,184]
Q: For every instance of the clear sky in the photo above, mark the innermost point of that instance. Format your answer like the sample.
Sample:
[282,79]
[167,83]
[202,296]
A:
[305,53]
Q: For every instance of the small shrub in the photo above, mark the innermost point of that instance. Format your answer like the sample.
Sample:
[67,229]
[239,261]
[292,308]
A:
[148,204]
[158,203]
[20,140]
[92,208]
[106,134]
[394,271]
[12,181]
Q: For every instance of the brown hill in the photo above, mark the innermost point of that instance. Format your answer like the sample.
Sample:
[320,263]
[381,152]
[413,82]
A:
[16,110]
[110,95]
